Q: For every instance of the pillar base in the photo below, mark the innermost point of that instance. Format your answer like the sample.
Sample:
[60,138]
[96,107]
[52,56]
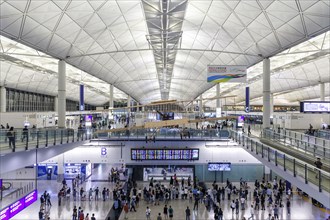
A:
[60,178]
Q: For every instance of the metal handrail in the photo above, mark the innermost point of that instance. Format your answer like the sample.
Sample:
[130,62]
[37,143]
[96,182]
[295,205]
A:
[272,155]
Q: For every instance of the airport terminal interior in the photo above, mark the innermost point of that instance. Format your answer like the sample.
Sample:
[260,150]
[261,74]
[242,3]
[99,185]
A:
[164,109]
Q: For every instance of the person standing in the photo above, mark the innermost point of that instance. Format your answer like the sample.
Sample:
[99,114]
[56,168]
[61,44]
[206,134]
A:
[48,200]
[90,194]
[165,212]
[25,133]
[159,217]
[125,210]
[148,213]
[318,164]
[11,138]
[93,217]
[81,215]
[196,202]
[288,206]
[170,212]
[249,130]
[220,214]
[74,213]
[187,213]
[87,217]
[97,193]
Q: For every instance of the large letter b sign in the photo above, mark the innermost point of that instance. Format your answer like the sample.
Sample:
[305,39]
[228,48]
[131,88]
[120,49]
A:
[103,151]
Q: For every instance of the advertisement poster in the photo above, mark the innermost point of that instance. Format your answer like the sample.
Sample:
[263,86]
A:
[229,74]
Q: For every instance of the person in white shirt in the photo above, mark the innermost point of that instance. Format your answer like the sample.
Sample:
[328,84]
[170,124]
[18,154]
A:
[243,203]
[251,212]
[148,213]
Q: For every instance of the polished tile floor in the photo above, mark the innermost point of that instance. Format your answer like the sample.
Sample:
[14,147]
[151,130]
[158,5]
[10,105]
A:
[302,209]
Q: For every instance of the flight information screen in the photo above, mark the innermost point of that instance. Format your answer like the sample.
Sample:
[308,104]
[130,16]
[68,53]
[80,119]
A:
[164,154]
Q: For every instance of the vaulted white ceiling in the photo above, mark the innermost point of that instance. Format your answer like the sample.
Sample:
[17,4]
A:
[108,40]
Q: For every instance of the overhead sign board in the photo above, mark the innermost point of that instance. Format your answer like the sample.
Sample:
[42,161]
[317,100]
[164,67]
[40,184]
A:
[222,74]
[315,107]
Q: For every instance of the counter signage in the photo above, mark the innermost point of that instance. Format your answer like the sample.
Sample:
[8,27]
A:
[16,207]
[31,198]
[4,214]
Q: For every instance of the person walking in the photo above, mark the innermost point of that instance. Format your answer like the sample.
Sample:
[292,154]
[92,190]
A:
[249,130]
[187,213]
[159,217]
[125,210]
[251,212]
[237,206]
[170,213]
[87,217]
[148,213]
[232,206]
[276,212]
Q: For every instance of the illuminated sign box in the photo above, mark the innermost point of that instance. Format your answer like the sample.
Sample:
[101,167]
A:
[219,167]
[315,107]
[18,206]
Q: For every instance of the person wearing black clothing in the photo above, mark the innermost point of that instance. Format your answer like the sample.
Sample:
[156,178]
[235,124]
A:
[318,164]
[93,217]
[187,213]
[196,202]
[97,193]
[220,214]
[41,215]
[25,133]
[237,206]
[165,212]
[11,137]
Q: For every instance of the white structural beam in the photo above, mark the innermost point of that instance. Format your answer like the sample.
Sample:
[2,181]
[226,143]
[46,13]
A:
[3,99]
[266,93]
[61,93]
[322,92]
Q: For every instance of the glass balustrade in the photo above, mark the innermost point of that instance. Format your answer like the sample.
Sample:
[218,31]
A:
[18,140]
[298,168]
[313,146]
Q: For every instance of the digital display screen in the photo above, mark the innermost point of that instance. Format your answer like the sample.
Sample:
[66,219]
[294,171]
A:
[164,154]
[219,167]
[163,116]
[16,207]
[315,107]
